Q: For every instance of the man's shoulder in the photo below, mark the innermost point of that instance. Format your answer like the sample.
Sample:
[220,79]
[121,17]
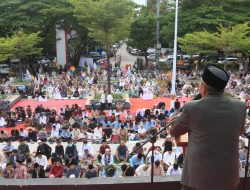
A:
[191,104]
[236,102]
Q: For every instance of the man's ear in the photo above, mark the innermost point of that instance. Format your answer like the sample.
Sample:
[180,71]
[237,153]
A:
[205,90]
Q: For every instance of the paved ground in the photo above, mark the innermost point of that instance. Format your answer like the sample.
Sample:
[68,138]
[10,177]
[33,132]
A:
[126,58]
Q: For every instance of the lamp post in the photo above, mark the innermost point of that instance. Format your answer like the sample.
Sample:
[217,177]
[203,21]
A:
[157,55]
[173,90]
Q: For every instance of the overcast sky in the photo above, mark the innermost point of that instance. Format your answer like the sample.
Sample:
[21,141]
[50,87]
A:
[141,2]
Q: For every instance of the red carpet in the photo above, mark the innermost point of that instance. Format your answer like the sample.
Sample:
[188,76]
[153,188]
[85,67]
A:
[18,126]
[57,104]
[136,104]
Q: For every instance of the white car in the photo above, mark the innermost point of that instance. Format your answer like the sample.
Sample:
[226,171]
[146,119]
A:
[228,60]
[4,69]
[150,51]
[151,57]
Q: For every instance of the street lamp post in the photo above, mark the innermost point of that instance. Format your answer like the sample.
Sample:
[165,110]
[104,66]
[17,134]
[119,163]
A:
[173,90]
[157,32]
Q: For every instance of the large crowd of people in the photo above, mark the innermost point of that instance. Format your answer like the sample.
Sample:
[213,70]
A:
[68,84]
[73,125]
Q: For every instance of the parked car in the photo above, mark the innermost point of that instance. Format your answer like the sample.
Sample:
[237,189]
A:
[134,51]
[150,51]
[169,59]
[44,61]
[151,57]
[228,60]
[141,53]
[129,49]
[4,69]
[182,61]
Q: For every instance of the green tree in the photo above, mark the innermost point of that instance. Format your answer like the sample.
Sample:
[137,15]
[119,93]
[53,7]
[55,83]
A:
[19,46]
[226,40]
[199,15]
[37,16]
[197,42]
[143,32]
[106,20]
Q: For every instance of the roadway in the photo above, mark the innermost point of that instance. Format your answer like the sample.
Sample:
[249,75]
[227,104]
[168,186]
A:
[126,58]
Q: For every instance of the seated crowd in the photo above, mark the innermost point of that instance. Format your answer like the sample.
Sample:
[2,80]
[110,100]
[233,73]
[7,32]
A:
[72,125]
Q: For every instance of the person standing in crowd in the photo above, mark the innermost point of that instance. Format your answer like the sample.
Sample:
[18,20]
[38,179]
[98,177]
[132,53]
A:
[110,100]
[177,104]
[213,122]
[103,101]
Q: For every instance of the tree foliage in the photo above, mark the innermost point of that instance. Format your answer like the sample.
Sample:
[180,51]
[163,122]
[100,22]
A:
[19,45]
[106,20]
[226,40]
[143,32]
[197,42]
[200,15]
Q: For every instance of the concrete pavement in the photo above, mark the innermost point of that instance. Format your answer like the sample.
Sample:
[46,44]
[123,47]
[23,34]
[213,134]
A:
[126,58]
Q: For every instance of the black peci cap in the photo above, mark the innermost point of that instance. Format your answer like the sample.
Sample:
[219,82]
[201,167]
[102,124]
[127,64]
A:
[215,77]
